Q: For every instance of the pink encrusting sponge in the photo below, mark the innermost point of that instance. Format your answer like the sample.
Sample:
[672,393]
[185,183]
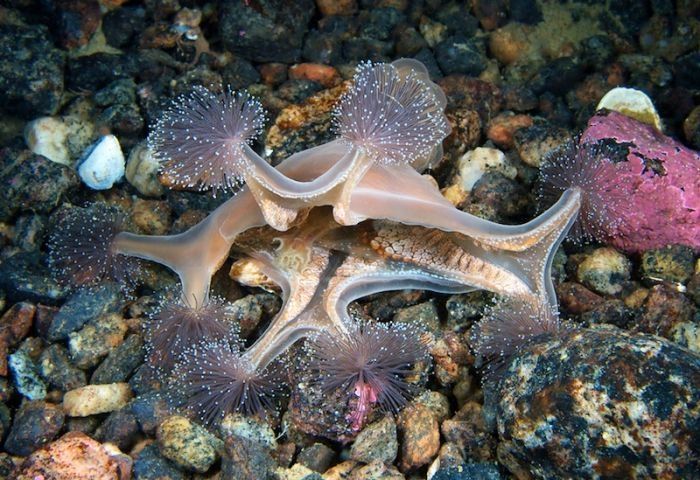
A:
[652,184]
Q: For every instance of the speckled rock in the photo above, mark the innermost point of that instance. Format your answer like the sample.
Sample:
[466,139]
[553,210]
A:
[246,458]
[253,429]
[120,428]
[503,126]
[153,217]
[141,171]
[468,431]
[297,472]
[664,309]
[151,465]
[47,136]
[36,88]
[604,271]
[24,276]
[270,32]
[150,410]
[470,471]
[96,339]
[25,376]
[33,183]
[35,424]
[575,298]
[671,264]
[83,306]
[424,315]
[75,456]
[93,399]
[376,441]
[420,435]
[459,54]
[463,91]
[509,43]
[120,362]
[55,367]
[600,402]
[317,457]
[376,471]
[187,444]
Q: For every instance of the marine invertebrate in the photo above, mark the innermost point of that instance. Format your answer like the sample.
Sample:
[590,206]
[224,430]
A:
[297,224]
[82,251]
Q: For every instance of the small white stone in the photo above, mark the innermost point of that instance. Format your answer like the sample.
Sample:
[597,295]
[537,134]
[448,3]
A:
[633,103]
[102,164]
[47,136]
[93,399]
[475,163]
[142,171]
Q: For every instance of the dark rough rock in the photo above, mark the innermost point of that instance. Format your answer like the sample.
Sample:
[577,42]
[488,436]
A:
[379,22]
[151,465]
[525,11]
[317,457]
[35,425]
[600,402]
[366,48]
[558,76]
[420,436]
[83,306]
[55,367]
[239,73]
[74,21]
[457,19]
[612,311]
[409,42]
[469,471]
[519,98]
[34,89]
[120,428]
[122,26]
[30,232]
[119,92]
[121,120]
[664,309]
[267,31]
[246,458]
[575,298]
[150,410]
[469,432]
[33,183]
[472,94]
[459,54]
[377,441]
[23,277]
[597,51]
[296,91]
[323,48]
[464,308]
[120,362]
[673,264]
[505,196]
[93,72]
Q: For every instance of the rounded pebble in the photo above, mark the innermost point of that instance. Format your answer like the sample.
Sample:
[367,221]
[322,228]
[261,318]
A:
[186,444]
[102,165]
[93,399]
[604,270]
[376,441]
[47,136]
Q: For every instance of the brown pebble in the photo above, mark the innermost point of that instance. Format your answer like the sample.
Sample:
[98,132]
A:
[502,127]
[152,216]
[576,299]
[273,74]
[508,44]
[421,436]
[336,7]
[14,326]
[323,74]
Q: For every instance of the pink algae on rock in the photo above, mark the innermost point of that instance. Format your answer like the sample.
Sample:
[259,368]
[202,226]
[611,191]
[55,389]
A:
[660,178]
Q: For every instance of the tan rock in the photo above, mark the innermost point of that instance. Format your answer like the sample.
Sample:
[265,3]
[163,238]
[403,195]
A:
[93,399]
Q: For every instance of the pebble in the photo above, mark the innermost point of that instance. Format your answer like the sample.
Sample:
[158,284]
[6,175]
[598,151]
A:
[55,367]
[120,362]
[686,334]
[15,325]
[150,410]
[83,306]
[605,271]
[470,471]
[47,136]
[35,424]
[468,431]
[187,444]
[579,405]
[323,74]
[142,171]
[691,128]
[422,316]
[152,217]
[664,309]
[458,54]
[673,264]
[244,458]
[149,464]
[96,339]
[25,376]
[336,7]
[466,130]
[297,472]
[420,435]
[257,431]
[377,441]
[317,457]
[76,456]
[94,399]
[535,142]
[102,165]
[509,43]
[475,163]
[376,471]
[503,126]
[120,428]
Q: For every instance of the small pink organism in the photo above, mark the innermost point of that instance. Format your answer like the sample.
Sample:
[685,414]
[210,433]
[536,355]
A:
[640,188]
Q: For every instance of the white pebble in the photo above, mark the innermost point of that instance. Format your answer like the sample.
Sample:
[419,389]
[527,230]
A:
[473,164]
[102,164]
[47,136]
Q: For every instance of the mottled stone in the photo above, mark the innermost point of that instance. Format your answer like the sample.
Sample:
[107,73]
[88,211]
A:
[317,457]
[671,264]
[604,271]
[664,309]
[424,316]
[120,362]
[96,339]
[297,472]
[15,324]
[83,306]
[535,142]
[187,444]
[470,471]
[376,470]
[153,217]
[151,465]
[376,441]
[55,367]
[244,458]
[35,424]
[253,429]
[25,376]
[575,298]
[150,410]
[23,276]
[468,431]
[93,399]
[420,435]
[75,456]
[600,403]
[120,428]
